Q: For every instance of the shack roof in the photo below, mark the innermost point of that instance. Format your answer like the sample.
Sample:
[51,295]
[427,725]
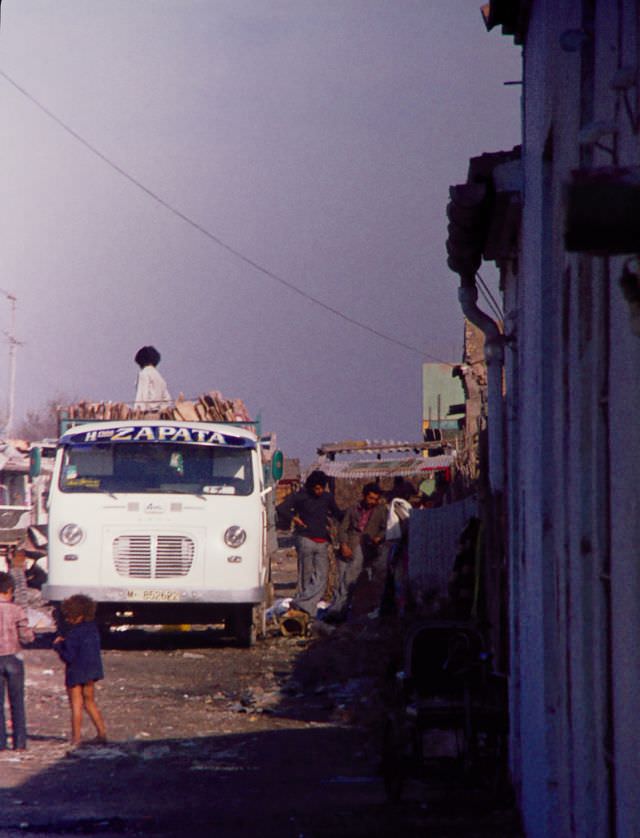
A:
[398,467]
[12,459]
[365,446]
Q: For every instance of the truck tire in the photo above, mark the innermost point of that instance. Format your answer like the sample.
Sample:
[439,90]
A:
[104,630]
[241,624]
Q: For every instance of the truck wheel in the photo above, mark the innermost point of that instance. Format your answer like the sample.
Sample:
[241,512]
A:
[104,630]
[242,625]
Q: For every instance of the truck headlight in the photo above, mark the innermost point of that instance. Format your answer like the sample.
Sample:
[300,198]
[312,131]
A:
[235,537]
[71,534]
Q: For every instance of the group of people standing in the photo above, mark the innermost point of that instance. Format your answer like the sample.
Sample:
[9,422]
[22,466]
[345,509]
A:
[360,537]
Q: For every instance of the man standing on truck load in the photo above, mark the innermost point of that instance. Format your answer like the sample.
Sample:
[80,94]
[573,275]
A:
[151,388]
[310,511]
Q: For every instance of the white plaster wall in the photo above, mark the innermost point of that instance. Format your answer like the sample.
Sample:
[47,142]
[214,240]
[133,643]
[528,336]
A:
[625,570]
[624,401]
[512,502]
[574,650]
[531,607]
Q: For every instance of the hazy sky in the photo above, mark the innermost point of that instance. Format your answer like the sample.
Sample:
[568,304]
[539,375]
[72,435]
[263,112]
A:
[318,138]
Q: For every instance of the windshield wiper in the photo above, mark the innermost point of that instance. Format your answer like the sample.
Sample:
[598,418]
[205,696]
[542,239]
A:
[196,494]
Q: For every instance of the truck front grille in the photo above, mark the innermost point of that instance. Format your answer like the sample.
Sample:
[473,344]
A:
[153,556]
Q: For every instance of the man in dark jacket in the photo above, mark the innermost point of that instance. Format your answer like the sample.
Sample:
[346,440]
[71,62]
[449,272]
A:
[360,536]
[310,511]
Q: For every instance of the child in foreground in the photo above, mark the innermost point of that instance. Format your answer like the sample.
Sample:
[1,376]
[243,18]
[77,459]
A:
[80,650]
[14,632]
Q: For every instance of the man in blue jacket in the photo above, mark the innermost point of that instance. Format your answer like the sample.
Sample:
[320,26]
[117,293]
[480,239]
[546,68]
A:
[310,511]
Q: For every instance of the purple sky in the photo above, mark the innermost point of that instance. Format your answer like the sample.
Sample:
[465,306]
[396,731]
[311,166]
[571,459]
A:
[316,137]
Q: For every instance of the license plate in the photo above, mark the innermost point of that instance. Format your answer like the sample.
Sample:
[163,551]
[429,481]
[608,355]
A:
[154,596]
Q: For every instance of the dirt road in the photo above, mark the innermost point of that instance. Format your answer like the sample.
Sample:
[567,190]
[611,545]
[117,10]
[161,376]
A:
[208,739]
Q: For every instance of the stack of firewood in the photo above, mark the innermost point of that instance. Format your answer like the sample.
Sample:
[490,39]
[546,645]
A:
[209,407]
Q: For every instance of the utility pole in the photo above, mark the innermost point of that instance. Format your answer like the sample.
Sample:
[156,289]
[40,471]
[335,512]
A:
[13,345]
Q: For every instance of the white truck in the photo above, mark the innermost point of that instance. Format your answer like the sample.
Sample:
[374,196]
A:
[162,522]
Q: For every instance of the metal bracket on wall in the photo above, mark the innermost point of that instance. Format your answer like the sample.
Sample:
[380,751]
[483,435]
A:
[630,285]
[623,80]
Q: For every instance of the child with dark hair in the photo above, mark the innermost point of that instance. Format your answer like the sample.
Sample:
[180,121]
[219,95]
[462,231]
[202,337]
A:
[14,632]
[80,650]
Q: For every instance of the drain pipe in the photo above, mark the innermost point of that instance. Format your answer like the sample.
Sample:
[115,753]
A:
[494,356]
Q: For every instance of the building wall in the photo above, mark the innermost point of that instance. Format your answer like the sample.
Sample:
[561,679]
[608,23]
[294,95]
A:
[574,455]
[624,450]
[440,390]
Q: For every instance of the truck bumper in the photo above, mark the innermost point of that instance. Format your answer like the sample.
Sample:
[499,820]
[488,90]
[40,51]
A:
[131,596]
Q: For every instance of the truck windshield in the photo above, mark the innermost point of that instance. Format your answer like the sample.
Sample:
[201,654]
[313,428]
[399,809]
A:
[163,467]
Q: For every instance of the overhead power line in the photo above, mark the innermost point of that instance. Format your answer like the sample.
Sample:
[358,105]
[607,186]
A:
[491,300]
[211,236]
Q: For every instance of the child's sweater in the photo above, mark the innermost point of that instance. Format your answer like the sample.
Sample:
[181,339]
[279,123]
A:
[80,650]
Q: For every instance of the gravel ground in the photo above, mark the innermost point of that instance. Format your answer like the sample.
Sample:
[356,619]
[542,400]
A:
[207,739]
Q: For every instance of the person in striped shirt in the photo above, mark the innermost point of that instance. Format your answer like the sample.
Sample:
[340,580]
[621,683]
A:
[14,633]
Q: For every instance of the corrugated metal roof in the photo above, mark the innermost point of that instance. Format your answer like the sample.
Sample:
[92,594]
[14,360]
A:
[364,469]
[13,460]
[366,446]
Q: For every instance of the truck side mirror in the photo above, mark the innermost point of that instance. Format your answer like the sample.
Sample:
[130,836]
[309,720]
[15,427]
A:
[277,465]
[35,462]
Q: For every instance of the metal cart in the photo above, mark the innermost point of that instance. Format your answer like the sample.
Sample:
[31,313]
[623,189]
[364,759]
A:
[447,684]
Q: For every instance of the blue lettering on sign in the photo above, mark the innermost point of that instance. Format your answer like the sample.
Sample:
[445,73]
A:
[145,434]
[158,433]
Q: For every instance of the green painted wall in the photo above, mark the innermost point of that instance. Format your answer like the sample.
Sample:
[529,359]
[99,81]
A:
[438,381]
